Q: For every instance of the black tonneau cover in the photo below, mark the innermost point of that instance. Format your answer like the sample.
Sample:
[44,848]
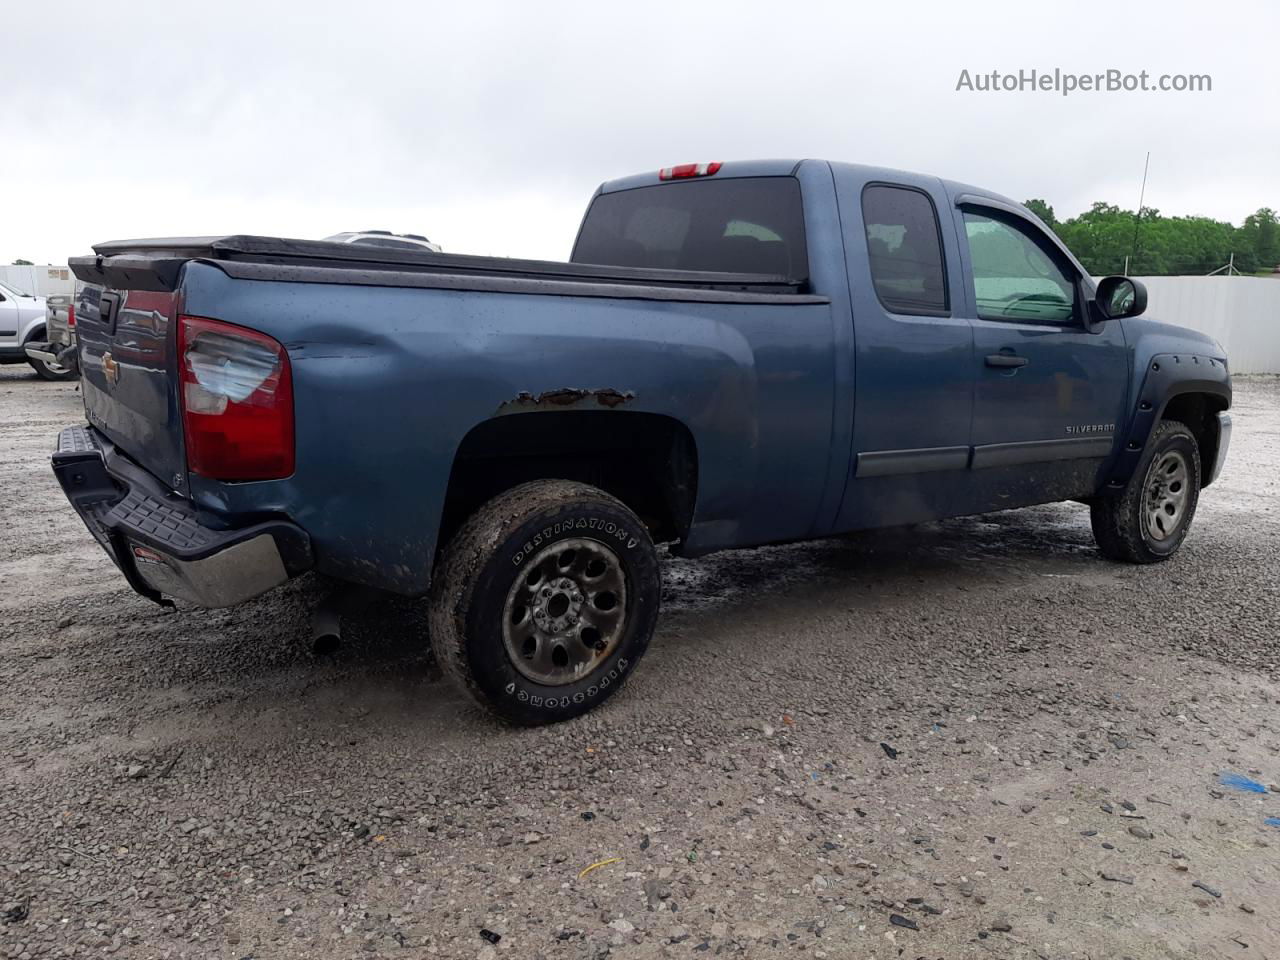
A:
[155,264]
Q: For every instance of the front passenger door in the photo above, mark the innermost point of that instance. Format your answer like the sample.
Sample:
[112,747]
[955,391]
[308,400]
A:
[1050,385]
[10,321]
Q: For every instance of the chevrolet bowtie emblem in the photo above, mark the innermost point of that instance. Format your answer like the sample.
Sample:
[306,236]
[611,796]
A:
[111,369]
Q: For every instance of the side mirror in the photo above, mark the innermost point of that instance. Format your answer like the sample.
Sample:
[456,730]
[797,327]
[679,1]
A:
[1119,297]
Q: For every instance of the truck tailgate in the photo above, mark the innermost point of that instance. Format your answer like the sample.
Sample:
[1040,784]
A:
[129,378]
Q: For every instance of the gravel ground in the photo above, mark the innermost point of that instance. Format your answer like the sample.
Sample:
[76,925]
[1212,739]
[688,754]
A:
[967,739]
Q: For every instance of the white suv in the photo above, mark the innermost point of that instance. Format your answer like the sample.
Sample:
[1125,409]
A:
[385,238]
[22,321]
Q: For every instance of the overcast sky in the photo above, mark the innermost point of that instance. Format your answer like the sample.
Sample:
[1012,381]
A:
[487,126]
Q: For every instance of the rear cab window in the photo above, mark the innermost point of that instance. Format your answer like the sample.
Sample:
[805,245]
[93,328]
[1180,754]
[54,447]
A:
[734,225]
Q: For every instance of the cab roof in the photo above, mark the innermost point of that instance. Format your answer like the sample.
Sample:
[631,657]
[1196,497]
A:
[788,167]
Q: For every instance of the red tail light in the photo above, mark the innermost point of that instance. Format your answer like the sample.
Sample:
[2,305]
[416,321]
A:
[237,401]
[682,170]
[71,316]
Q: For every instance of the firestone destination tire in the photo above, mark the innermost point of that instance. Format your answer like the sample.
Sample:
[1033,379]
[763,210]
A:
[1149,521]
[545,600]
[55,371]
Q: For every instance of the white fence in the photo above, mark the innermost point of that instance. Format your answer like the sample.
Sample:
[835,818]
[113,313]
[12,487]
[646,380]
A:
[1241,313]
[42,280]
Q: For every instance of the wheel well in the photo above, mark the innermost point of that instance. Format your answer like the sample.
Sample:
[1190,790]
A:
[647,461]
[36,333]
[1198,411]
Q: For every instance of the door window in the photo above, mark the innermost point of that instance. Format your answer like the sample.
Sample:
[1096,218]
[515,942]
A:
[904,250]
[1013,277]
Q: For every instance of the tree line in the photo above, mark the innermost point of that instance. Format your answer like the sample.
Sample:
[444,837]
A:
[1104,235]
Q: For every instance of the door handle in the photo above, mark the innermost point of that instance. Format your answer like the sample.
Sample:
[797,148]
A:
[108,305]
[1006,360]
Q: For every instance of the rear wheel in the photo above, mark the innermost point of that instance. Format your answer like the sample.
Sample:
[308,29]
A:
[545,600]
[1151,517]
[51,371]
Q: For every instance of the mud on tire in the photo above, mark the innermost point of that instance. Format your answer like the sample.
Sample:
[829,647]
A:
[1123,526]
[504,620]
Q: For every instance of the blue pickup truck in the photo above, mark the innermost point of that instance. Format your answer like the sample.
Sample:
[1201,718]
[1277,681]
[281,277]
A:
[735,354]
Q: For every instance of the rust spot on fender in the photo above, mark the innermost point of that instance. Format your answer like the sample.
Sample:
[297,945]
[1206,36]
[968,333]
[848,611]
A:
[567,397]
[612,398]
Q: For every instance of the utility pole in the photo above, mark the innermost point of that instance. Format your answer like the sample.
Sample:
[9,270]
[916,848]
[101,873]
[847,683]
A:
[1126,266]
[1137,220]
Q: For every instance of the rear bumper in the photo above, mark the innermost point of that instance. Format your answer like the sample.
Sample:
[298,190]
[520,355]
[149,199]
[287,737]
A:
[47,352]
[158,540]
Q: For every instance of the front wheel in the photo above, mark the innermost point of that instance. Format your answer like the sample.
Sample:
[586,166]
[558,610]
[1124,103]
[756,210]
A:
[544,601]
[1149,520]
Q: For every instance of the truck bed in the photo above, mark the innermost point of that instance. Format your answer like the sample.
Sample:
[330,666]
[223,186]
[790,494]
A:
[155,265]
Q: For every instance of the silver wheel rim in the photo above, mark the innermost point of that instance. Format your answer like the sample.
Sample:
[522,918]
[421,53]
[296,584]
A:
[55,368]
[1165,504]
[566,612]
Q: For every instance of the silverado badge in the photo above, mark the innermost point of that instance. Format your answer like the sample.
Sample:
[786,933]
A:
[1092,428]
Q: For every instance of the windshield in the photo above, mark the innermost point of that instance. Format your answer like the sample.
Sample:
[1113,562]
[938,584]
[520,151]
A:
[737,225]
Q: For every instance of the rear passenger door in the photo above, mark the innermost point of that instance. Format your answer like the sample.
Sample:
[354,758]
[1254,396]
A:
[1051,384]
[913,351]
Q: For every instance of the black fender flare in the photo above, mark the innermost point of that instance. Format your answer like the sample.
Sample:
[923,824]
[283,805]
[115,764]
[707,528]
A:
[1167,375]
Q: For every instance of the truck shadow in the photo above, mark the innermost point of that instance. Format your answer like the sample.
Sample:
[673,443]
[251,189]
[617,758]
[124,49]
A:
[1053,540]
[252,669]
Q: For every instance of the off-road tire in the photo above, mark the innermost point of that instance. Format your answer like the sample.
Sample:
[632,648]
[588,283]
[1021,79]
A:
[1120,524]
[477,572]
[45,372]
